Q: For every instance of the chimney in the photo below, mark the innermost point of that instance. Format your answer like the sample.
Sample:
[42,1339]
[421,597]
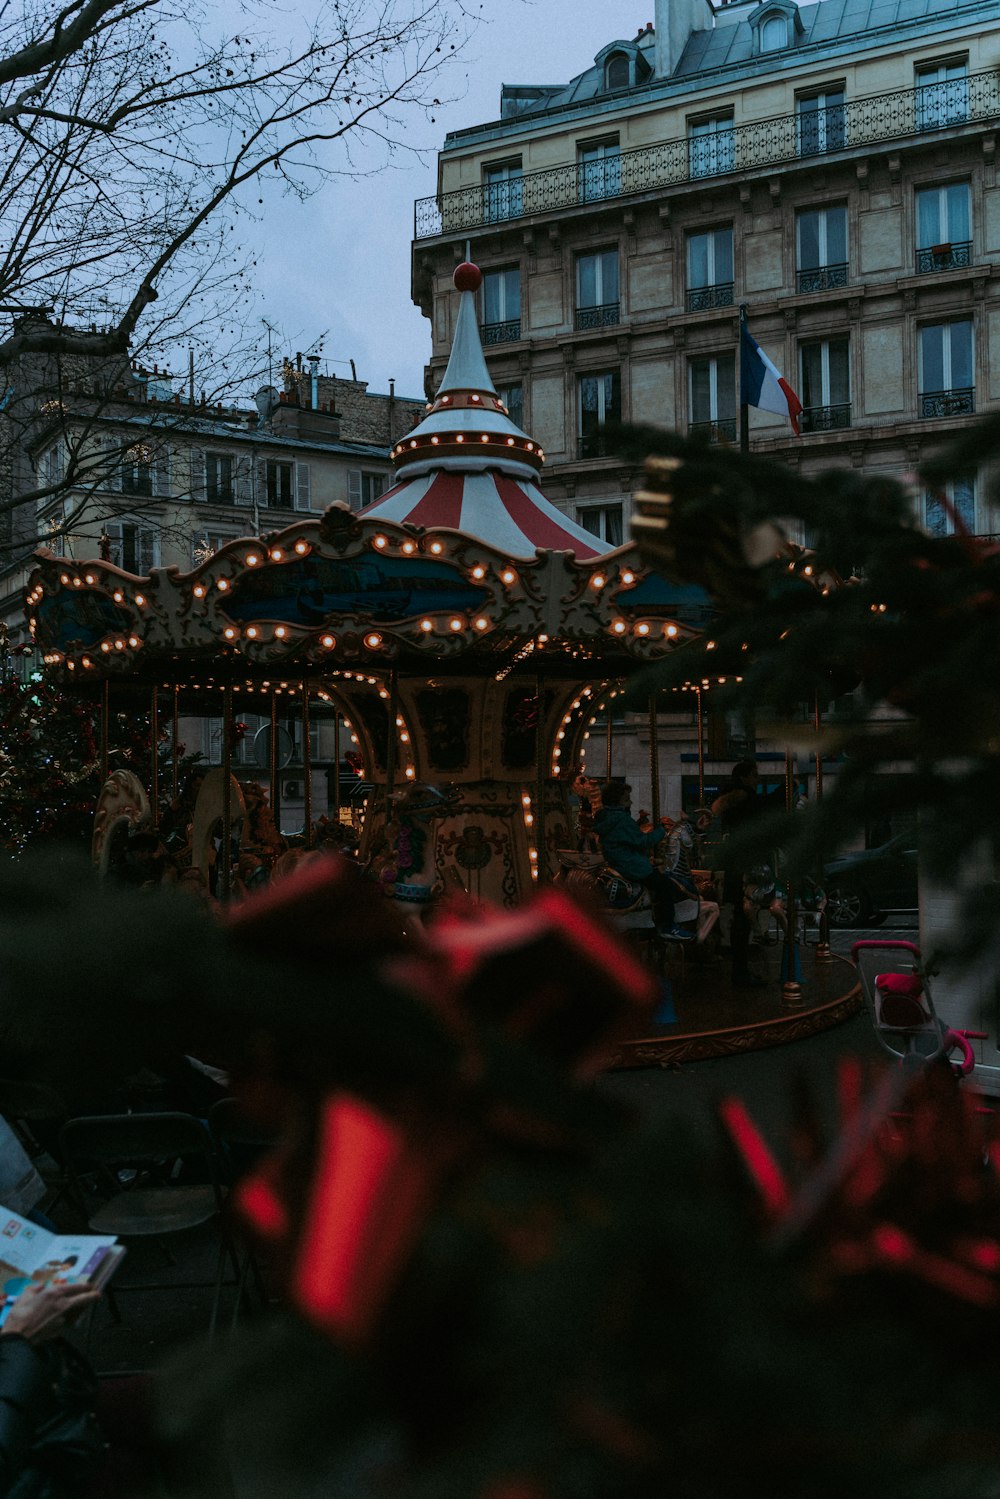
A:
[675,21]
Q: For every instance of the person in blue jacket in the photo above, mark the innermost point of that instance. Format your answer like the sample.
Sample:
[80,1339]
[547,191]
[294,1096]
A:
[627,849]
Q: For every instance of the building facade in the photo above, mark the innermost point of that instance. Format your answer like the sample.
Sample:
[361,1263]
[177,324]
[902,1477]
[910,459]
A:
[830,165]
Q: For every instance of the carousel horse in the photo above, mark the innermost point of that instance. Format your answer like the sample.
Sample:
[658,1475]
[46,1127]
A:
[122,809]
[405,866]
[208,820]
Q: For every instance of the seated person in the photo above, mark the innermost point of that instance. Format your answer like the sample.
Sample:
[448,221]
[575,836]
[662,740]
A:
[626,848]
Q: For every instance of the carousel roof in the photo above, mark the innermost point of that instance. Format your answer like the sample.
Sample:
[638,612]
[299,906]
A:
[467,466]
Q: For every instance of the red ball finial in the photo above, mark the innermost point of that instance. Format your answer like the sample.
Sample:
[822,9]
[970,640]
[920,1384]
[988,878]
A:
[468,277]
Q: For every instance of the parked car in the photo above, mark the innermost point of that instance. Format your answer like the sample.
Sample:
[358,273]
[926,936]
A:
[862,887]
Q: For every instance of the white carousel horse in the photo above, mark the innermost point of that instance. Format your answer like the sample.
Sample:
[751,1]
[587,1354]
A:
[122,808]
[208,819]
[627,902]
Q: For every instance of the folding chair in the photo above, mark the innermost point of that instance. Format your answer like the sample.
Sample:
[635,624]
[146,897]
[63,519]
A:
[238,1144]
[124,1173]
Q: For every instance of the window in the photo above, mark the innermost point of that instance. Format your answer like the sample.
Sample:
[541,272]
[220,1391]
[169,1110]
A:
[773,34]
[52,465]
[137,470]
[513,398]
[219,479]
[600,170]
[604,521]
[712,397]
[821,247]
[710,269]
[711,145]
[279,481]
[825,385]
[947,383]
[364,488]
[942,95]
[135,548]
[503,190]
[944,227]
[616,71]
[209,541]
[501,305]
[951,508]
[821,122]
[597,304]
[599,402]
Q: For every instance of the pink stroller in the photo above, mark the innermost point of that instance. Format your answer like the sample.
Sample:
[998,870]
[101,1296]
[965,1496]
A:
[897,993]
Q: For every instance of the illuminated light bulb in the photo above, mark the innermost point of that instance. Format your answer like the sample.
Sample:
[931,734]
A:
[586,733]
[381,541]
[460,438]
[598,580]
[399,721]
[435,441]
[556,753]
[373,641]
[642,629]
[739,679]
[229,632]
[413,443]
[410,772]
[532,854]
[276,554]
[619,627]
[576,704]
[354,738]
[475,398]
[222,584]
[484,438]
[479,571]
[508,575]
[436,548]
[408,548]
[543,639]
[133,640]
[540,453]
[525,800]
[445,400]
[561,734]
[119,645]
[426,625]
[628,577]
[531,447]
[529,819]
[455,624]
[77,582]
[64,577]
[118,596]
[328,641]
[280,632]
[808,571]
[199,592]
[252,632]
[670,631]
[302,547]
[482,623]
[710,645]
[510,442]
[71,665]
[104,647]
[721,681]
[252,559]
[90,579]
[86,661]
[404,738]
[140,599]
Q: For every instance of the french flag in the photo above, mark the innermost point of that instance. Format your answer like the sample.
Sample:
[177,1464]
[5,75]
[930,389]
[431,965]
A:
[760,382]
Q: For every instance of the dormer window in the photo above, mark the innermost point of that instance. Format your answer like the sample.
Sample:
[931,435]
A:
[775,25]
[617,71]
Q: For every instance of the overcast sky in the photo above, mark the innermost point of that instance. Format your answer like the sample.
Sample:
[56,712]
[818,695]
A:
[341,261]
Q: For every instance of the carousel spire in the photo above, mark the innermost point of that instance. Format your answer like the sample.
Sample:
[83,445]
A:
[467,466]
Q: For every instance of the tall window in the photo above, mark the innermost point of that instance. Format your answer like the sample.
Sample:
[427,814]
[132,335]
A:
[597,293]
[712,397]
[951,508]
[363,488]
[773,34]
[942,95]
[821,248]
[599,170]
[279,482]
[821,122]
[501,305]
[603,521]
[711,145]
[616,71]
[134,547]
[710,269]
[947,380]
[137,470]
[503,190]
[52,464]
[599,402]
[825,385]
[219,488]
[209,540]
[944,227]
[513,398]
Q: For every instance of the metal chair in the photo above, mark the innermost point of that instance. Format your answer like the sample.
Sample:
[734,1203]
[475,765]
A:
[125,1171]
[239,1142]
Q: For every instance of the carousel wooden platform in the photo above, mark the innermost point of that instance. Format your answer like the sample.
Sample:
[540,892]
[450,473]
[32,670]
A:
[715,1019]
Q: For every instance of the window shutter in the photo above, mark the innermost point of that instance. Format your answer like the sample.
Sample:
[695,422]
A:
[354,488]
[196,486]
[302,497]
[147,547]
[161,471]
[242,485]
[260,480]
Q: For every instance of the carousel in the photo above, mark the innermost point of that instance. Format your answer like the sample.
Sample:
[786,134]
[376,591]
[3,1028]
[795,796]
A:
[467,635]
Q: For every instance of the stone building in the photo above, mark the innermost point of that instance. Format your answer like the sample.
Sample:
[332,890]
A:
[831,165]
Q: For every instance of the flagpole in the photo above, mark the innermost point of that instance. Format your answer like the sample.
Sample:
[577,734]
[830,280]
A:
[744,409]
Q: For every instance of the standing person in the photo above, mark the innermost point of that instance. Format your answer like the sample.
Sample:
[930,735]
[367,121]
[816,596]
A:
[627,848]
[737,804]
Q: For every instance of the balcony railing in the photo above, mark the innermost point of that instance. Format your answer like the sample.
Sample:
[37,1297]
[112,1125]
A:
[604,315]
[754,146]
[948,402]
[502,333]
[723,430]
[702,298]
[822,278]
[825,418]
[593,444]
[944,257]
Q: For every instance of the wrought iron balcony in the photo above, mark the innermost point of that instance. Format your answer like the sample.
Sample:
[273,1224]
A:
[722,430]
[603,315]
[702,298]
[502,333]
[948,402]
[747,148]
[944,257]
[825,418]
[593,444]
[822,278]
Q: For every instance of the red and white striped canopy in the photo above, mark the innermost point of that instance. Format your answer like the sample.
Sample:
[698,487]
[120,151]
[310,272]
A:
[467,467]
[509,513]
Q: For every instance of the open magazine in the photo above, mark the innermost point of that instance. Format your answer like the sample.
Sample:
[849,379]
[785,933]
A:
[31,1256]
